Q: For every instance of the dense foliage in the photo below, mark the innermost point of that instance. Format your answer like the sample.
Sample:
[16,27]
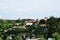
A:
[52,29]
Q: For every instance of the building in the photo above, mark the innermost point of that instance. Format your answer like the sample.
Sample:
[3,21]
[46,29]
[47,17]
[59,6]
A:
[29,22]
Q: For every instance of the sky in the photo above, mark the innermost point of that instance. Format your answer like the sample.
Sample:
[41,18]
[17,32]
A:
[35,9]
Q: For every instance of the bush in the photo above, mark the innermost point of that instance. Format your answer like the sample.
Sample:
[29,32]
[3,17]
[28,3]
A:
[56,35]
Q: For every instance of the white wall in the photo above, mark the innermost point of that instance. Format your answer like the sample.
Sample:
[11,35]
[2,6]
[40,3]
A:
[29,23]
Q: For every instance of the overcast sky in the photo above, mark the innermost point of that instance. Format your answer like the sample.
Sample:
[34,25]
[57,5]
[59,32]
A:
[13,9]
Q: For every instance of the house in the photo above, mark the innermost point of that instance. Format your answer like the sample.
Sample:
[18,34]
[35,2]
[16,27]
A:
[43,25]
[29,22]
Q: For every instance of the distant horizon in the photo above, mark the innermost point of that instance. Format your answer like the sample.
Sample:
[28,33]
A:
[26,18]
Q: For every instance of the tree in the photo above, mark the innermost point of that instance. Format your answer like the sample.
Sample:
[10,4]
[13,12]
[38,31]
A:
[42,21]
[18,38]
[56,35]
[52,25]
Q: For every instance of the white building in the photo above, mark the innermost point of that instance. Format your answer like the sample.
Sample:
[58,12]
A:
[29,22]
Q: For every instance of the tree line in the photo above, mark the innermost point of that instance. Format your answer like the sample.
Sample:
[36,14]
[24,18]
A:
[52,30]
